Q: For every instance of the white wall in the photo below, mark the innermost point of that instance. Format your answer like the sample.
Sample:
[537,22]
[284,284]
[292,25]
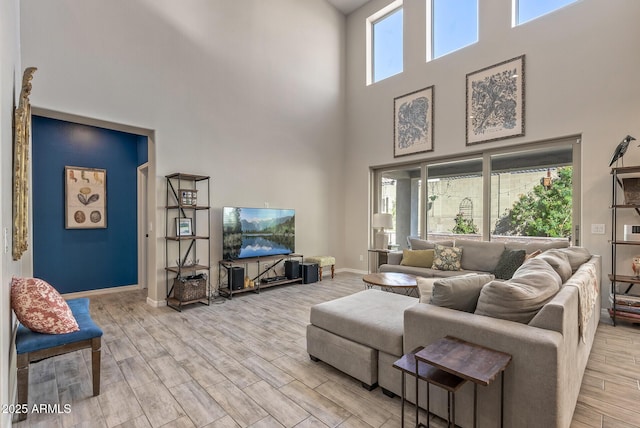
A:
[582,67]
[249,92]
[10,82]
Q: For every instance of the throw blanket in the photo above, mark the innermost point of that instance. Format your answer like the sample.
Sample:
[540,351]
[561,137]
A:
[587,284]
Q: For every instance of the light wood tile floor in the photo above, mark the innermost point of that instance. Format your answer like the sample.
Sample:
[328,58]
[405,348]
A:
[243,363]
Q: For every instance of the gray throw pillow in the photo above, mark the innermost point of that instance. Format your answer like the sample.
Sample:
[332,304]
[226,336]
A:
[459,292]
[577,256]
[509,262]
[559,262]
[520,298]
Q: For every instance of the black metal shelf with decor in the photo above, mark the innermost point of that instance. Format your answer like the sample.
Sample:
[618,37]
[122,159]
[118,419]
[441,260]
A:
[187,222]
[624,306]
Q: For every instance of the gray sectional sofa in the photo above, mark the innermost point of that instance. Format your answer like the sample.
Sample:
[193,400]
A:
[364,333]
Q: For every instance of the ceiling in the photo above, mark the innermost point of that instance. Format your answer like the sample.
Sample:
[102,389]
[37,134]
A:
[347,6]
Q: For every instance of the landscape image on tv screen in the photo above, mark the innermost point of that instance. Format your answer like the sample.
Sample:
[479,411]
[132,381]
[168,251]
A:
[257,232]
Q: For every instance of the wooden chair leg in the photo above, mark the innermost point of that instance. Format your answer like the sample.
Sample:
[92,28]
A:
[23,384]
[333,268]
[320,272]
[96,346]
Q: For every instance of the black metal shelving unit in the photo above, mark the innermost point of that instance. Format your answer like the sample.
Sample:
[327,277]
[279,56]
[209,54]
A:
[619,310]
[185,196]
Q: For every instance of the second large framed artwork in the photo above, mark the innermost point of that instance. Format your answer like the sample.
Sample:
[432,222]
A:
[85,198]
[413,122]
[495,102]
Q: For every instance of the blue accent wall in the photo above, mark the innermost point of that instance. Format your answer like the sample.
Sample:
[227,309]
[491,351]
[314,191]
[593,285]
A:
[75,260]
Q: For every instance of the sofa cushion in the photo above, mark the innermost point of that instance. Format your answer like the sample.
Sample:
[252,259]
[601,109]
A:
[459,292]
[480,255]
[417,258]
[40,308]
[371,317]
[447,258]
[424,272]
[423,244]
[577,256]
[509,262]
[425,288]
[411,270]
[559,262]
[520,298]
[530,247]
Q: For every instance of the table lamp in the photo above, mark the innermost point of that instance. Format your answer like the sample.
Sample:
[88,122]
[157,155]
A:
[382,221]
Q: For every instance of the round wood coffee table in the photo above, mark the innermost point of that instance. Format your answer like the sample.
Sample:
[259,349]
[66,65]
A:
[393,282]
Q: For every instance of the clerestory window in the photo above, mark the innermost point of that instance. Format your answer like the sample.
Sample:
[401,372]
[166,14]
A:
[454,25]
[385,43]
[527,10]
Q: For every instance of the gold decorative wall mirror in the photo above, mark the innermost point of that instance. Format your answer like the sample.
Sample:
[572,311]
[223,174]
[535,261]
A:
[22,129]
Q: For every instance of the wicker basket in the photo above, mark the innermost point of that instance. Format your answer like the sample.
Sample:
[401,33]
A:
[190,287]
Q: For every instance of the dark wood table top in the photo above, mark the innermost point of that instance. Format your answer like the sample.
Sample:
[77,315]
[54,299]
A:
[426,372]
[464,359]
[391,280]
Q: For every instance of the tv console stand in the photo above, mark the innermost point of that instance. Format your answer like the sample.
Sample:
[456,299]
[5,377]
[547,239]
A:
[265,265]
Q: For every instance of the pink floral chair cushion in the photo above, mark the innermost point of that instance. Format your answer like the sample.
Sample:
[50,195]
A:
[40,307]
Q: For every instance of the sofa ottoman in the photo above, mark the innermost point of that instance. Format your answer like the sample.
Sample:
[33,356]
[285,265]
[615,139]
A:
[348,333]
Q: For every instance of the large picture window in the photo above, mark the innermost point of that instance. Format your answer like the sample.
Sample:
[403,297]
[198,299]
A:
[454,190]
[532,193]
[527,193]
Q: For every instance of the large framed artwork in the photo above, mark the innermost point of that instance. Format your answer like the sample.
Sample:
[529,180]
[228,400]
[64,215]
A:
[85,198]
[413,122]
[495,102]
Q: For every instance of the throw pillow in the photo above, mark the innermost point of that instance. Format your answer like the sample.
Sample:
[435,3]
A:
[417,258]
[559,262]
[446,258]
[509,262]
[425,288]
[459,292]
[520,298]
[577,256]
[40,308]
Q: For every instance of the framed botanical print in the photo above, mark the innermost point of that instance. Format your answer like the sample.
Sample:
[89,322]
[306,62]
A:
[85,198]
[413,122]
[495,102]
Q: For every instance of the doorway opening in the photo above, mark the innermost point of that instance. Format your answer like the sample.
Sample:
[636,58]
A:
[91,260]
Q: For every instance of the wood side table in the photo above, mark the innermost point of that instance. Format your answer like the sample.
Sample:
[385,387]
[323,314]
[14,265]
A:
[469,361]
[433,376]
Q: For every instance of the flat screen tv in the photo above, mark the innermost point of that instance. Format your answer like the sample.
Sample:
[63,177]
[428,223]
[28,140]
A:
[257,232]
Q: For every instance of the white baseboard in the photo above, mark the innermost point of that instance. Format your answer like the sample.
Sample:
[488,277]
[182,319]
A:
[356,271]
[156,303]
[90,293]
